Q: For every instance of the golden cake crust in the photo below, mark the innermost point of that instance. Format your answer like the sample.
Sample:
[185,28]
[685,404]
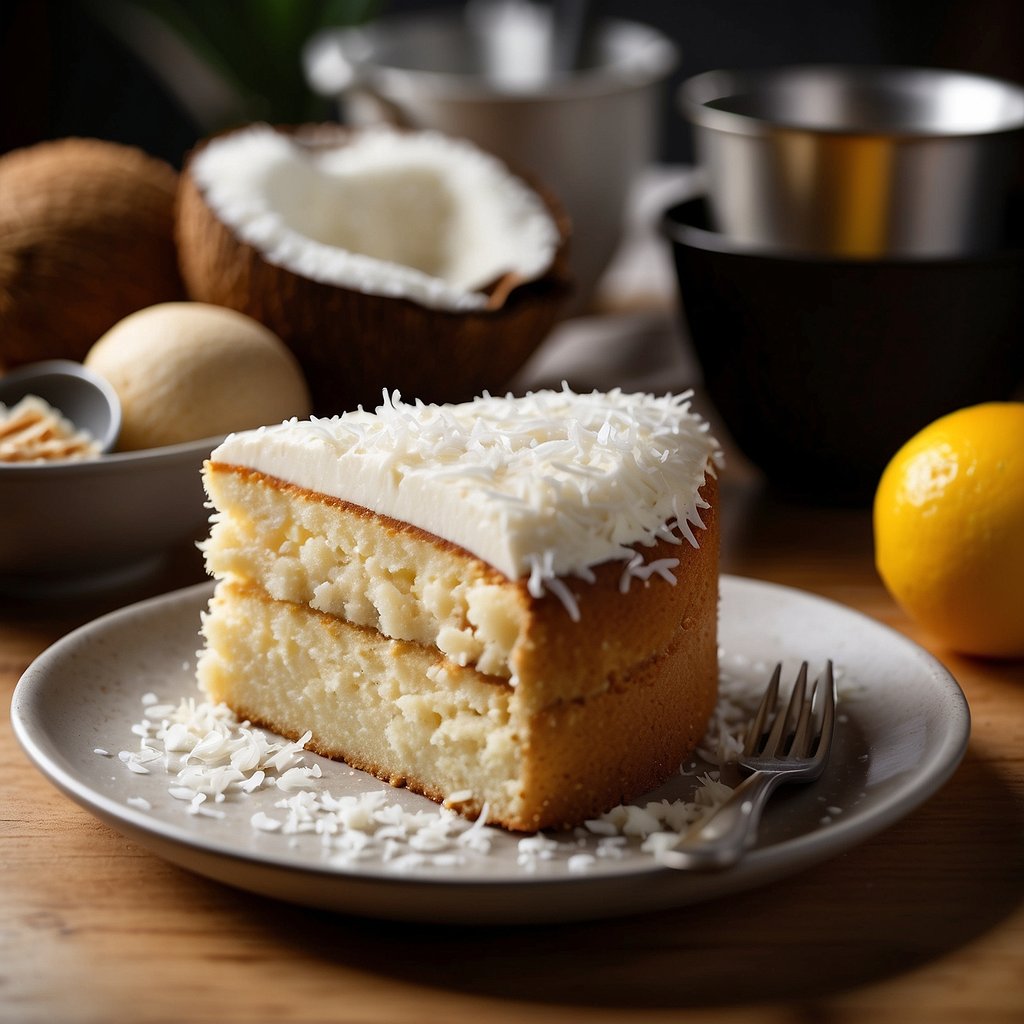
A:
[567,660]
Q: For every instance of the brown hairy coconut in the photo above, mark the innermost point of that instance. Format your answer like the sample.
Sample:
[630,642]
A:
[86,237]
[383,259]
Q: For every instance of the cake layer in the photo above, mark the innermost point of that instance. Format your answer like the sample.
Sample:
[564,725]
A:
[340,559]
[372,571]
[393,708]
[409,716]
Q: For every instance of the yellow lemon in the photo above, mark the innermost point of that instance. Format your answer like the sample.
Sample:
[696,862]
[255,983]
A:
[949,529]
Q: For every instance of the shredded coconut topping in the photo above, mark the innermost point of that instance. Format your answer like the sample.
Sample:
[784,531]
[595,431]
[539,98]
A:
[542,487]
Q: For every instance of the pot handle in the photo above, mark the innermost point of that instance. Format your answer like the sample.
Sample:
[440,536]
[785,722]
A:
[338,65]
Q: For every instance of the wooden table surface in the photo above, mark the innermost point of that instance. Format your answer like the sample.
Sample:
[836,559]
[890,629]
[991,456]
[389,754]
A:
[925,922]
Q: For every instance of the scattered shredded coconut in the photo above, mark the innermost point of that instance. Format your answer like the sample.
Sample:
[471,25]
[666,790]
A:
[612,847]
[264,823]
[212,759]
[580,863]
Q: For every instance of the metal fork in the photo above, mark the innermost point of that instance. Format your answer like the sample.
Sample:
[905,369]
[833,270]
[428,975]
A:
[779,747]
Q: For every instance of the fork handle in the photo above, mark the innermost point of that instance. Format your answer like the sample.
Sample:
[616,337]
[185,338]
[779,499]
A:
[721,839]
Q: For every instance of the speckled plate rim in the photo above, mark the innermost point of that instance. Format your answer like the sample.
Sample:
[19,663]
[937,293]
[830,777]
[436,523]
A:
[904,727]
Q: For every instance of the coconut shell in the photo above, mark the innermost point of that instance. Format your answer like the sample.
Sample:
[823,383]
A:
[86,237]
[350,344]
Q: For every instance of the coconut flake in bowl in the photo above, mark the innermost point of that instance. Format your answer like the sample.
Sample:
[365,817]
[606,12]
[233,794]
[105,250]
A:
[33,431]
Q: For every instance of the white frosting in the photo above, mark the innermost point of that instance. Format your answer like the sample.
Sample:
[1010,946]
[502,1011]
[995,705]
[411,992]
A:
[544,486]
[410,214]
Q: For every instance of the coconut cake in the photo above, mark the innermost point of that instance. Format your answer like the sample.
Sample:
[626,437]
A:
[508,605]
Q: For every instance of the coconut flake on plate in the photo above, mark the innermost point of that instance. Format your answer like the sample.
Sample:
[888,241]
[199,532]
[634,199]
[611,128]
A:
[201,746]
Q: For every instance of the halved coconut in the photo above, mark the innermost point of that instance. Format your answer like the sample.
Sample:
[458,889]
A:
[86,237]
[384,259]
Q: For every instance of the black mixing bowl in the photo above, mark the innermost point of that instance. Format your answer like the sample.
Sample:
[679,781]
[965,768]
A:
[821,367]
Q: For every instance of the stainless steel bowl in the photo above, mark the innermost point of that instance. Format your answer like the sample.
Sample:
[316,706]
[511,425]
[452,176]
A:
[857,161]
[487,74]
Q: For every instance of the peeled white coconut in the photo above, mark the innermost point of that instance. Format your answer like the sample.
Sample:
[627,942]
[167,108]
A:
[186,370]
[382,258]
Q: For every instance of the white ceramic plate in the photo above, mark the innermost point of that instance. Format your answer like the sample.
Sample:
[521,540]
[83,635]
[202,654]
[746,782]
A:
[903,727]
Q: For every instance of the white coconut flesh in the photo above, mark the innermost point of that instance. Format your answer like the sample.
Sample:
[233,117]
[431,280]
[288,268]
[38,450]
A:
[417,215]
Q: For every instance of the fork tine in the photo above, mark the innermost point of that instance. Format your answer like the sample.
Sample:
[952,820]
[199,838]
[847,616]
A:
[828,715]
[773,746]
[722,838]
[757,728]
[804,735]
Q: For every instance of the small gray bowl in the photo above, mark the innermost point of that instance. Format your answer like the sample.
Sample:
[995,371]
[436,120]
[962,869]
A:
[77,524]
[80,395]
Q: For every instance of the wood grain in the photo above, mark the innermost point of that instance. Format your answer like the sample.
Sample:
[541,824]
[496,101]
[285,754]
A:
[924,923]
